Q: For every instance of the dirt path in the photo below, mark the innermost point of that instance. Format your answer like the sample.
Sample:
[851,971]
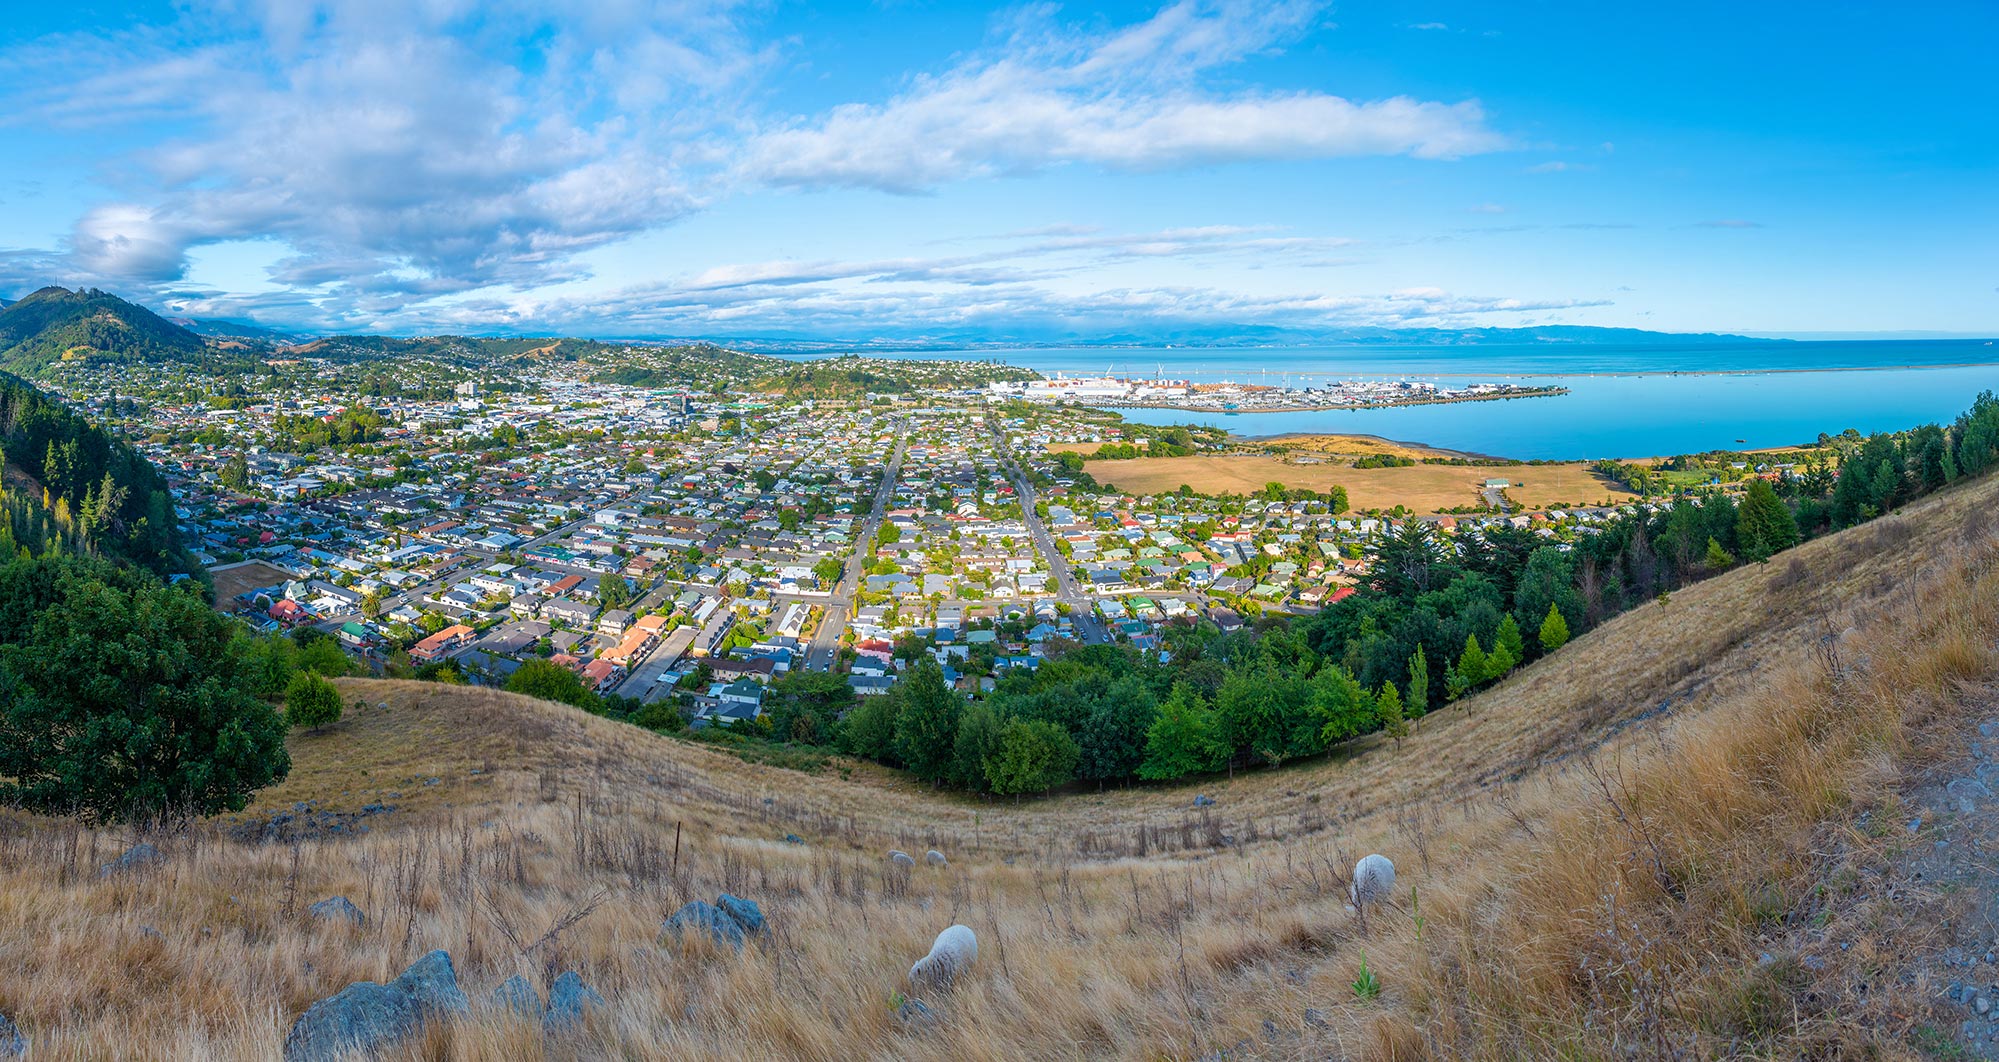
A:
[1951,874]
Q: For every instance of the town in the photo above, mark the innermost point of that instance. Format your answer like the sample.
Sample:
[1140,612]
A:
[1236,397]
[688,541]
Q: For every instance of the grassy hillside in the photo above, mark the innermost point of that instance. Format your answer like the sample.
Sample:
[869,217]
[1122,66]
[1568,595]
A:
[55,325]
[1688,833]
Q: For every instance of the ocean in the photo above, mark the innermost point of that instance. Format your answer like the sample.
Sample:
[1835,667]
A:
[1623,401]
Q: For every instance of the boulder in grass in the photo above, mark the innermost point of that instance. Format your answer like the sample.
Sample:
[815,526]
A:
[569,1000]
[1204,801]
[12,1043]
[367,1018]
[746,912]
[137,857]
[518,995]
[339,908]
[701,916]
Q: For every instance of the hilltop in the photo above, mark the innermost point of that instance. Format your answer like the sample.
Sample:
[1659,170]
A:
[55,325]
[1709,826]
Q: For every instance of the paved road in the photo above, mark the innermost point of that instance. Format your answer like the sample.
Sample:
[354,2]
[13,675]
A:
[1081,610]
[825,645]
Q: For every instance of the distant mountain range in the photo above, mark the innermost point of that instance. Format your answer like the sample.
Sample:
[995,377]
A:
[55,325]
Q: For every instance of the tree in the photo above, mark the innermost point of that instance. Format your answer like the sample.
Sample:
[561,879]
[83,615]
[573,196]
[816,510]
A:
[1764,524]
[550,682]
[804,705]
[1419,682]
[828,570]
[1555,630]
[613,591]
[1717,558]
[1111,737]
[1508,641]
[1393,722]
[371,604]
[322,654]
[869,729]
[1034,756]
[1343,704]
[311,702]
[1471,666]
[132,706]
[926,729]
[236,473]
[979,731]
[1182,739]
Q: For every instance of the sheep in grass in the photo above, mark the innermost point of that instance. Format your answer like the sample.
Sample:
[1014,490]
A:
[950,956]
[900,859]
[1373,881]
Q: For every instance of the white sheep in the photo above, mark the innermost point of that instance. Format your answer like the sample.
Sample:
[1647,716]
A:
[950,956]
[901,859]
[935,858]
[1373,880]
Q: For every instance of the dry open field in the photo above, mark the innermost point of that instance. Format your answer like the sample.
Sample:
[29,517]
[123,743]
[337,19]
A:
[1423,488]
[243,578]
[1681,836]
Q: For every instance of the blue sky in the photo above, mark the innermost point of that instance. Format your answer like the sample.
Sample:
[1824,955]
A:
[904,168]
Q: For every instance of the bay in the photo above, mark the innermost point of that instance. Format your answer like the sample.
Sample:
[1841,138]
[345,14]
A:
[1623,401]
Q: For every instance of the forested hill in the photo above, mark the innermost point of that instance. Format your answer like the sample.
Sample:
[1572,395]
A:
[55,325]
[90,493]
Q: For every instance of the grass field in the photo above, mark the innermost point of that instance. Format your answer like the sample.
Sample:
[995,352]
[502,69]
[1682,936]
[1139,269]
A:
[1674,838]
[1423,488]
[242,579]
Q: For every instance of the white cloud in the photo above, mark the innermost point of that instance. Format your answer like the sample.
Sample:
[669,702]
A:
[1130,100]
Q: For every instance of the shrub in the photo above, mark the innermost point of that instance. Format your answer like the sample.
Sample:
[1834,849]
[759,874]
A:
[311,702]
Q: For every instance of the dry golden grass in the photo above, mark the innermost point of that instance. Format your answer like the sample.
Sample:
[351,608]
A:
[1601,846]
[1422,488]
[1353,445]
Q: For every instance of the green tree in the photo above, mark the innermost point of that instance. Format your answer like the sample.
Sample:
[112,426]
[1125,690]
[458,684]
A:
[1034,755]
[869,729]
[1508,641]
[1393,722]
[1717,558]
[1554,630]
[979,730]
[1112,734]
[828,570]
[1182,739]
[1764,524]
[804,705]
[311,702]
[926,729]
[550,682]
[1471,667]
[236,473]
[323,655]
[132,706]
[1344,705]
[1419,682]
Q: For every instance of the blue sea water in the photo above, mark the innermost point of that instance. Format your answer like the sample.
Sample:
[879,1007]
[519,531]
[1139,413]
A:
[1623,401]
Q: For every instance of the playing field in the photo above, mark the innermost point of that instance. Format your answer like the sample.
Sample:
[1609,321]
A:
[1423,488]
[242,579]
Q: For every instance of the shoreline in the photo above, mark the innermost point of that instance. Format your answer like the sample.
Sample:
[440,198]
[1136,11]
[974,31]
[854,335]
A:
[1576,374]
[1538,392]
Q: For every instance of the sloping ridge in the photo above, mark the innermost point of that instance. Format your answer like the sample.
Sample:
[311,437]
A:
[1674,837]
[54,324]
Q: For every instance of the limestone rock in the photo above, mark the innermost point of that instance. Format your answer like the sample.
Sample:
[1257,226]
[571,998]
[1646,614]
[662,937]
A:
[703,916]
[569,1000]
[135,858]
[519,996]
[746,912]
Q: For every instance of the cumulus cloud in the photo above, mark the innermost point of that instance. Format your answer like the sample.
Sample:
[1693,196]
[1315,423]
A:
[1131,100]
[398,149]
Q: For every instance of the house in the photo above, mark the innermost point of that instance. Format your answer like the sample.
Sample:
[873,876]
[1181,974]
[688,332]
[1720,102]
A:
[437,645]
[601,674]
[614,622]
[352,633]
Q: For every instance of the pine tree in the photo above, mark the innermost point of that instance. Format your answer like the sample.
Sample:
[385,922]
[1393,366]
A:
[1472,664]
[1717,558]
[1764,524]
[1419,682]
[1509,641]
[1393,722]
[1555,630]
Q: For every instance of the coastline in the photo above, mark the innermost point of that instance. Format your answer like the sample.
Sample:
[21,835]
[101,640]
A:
[1539,392]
